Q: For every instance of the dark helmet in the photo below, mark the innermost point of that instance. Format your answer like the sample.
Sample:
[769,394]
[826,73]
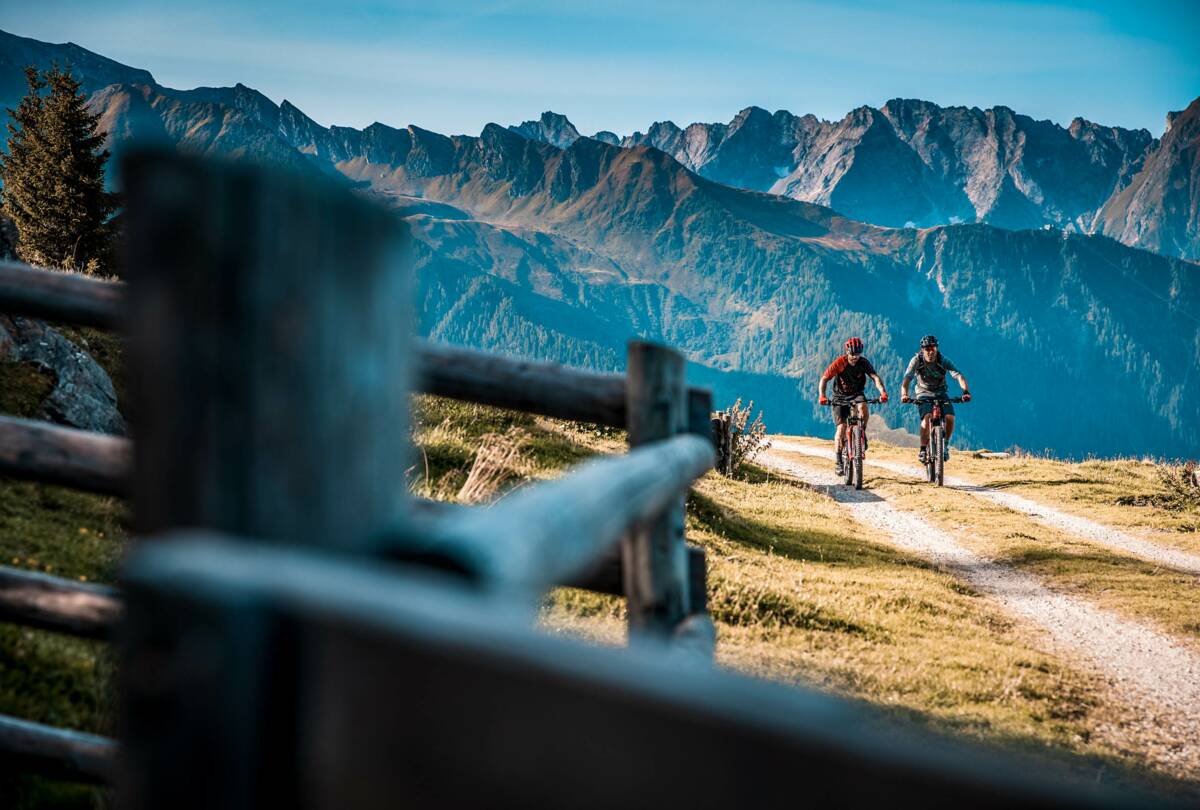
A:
[927,341]
[854,345]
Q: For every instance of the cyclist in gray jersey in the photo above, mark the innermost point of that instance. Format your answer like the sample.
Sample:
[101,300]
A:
[930,368]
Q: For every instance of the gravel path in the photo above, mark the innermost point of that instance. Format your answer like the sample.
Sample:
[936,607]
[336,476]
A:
[1157,678]
[1082,528]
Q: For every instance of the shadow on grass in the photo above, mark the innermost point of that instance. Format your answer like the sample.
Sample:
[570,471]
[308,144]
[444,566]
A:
[804,545]
[1033,483]
[1095,563]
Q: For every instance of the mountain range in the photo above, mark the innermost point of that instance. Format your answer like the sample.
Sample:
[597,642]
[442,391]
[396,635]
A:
[563,250]
[912,163]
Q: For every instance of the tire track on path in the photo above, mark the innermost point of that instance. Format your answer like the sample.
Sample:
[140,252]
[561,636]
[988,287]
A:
[1157,679]
[1080,527]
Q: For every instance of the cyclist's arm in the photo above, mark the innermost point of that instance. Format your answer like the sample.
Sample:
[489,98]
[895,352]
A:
[909,373]
[829,374]
[953,371]
[879,384]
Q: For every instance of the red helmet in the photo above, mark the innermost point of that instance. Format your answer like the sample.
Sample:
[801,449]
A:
[854,345]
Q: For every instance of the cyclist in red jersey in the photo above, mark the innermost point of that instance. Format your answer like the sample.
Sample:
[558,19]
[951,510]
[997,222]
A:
[849,373]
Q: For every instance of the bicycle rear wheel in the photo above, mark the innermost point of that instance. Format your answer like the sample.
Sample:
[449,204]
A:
[939,458]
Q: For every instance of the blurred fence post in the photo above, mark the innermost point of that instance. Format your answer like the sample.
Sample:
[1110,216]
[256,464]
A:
[654,556]
[269,359]
[270,346]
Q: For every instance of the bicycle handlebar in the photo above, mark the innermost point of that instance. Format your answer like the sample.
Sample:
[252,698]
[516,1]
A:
[832,402]
[916,401]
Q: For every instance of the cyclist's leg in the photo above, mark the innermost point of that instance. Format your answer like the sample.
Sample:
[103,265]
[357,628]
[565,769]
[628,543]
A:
[949,426]
[926,417]
[840,412]
[864,413]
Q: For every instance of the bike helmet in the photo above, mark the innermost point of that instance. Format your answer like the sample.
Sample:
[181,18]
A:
[927,341]
[854,345]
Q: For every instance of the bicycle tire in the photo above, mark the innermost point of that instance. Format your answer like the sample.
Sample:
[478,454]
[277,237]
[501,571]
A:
[848,470]
[939,457]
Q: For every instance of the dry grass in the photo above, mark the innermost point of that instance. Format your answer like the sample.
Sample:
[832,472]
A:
[497,461]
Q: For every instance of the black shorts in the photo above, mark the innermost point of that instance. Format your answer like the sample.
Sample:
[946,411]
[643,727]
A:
[925,407]
[842,412]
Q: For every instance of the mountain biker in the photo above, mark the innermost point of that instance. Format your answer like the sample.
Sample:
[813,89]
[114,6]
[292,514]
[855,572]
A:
[849,373]
[930,368]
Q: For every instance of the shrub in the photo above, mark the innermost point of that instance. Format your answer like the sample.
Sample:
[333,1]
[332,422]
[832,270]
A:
[746,439]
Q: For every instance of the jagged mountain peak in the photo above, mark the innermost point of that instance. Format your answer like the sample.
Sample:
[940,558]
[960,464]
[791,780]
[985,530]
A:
[552,128]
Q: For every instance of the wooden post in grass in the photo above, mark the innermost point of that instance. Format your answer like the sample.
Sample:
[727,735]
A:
[722,433]
[654,556]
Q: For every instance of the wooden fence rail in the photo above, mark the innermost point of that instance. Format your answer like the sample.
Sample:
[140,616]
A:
[529,540]
[60,296]
[62,605]
[57,752]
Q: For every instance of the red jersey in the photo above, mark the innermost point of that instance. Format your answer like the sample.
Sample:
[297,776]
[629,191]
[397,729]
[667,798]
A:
[849,379]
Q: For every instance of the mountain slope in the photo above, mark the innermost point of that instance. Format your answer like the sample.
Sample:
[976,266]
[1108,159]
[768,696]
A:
[1160,208]
[93,70]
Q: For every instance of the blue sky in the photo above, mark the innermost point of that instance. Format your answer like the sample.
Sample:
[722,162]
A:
[622,64]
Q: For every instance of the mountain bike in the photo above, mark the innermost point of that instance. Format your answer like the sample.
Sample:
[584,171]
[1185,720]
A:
[855,446]
[935,454]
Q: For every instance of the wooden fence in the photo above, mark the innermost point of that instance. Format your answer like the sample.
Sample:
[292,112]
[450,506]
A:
[294,629]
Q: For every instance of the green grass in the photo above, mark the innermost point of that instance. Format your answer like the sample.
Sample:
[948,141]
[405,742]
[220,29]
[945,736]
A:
[23,388]
[49,677]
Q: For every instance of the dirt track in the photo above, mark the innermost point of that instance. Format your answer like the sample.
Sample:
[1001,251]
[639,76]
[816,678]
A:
[1156,679]
[1082,528]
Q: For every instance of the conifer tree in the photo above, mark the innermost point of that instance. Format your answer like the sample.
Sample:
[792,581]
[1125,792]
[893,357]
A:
[53,175]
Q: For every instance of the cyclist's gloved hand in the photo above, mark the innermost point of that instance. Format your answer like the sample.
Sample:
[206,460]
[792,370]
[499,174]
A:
[824,400]
[906,398]
[966,396]
[883,397]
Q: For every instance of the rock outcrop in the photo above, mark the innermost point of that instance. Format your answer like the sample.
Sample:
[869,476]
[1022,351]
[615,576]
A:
[83,395]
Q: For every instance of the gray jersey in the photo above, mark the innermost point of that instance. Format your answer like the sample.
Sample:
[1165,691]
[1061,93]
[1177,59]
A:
[931,377]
